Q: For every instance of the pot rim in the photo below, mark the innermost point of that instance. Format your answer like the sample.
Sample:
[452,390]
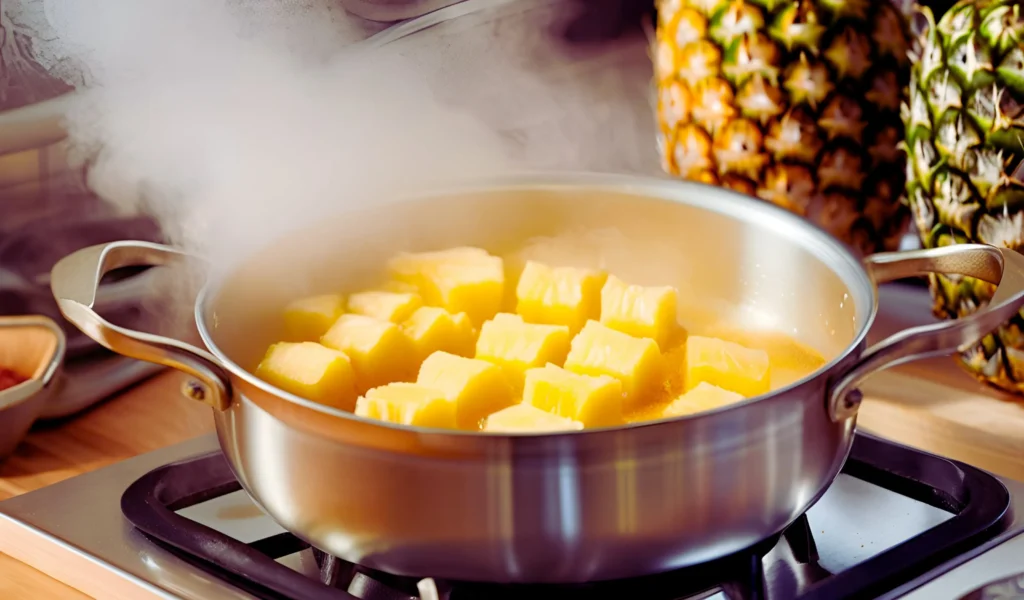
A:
[723,201]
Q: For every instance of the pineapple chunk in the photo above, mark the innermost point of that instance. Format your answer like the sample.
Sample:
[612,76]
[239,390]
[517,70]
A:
[523,418]
[701,398]
[636,362]
[593,401]
[306,319]
[400,287]
[640,311]
[379,351]
[727,365]
[559,295]
[386,306]
[515,345]
[310,371]
[432,329]
[408,404]
[465,280]
[477,387]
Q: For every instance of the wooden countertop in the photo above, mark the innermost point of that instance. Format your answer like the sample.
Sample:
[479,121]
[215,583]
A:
[146,417]
[931,405]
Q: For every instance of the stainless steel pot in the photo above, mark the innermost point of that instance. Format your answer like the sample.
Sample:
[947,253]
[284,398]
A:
[571,507]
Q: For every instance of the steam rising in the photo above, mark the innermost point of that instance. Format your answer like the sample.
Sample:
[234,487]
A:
[231,125]
[233,121]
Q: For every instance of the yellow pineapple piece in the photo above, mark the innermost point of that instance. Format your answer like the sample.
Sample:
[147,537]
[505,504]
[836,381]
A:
[461,279]
[400,287]
[640,311]
[727,365]
[380,352]
[386,306]
[559,295]
[515,345]
[477,387]
[524,418]
[306,319]
[431,329]
[701,398]
[593,401]
[408,404]
[636,362]
[310,371]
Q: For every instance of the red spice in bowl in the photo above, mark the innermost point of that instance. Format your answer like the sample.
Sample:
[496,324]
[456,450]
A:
[9,379]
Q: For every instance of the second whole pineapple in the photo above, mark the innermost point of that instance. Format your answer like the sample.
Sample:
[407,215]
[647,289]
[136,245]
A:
[965,144]
[793,101]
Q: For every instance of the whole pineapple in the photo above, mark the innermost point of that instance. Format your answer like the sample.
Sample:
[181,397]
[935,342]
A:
[964,120]
[793,101]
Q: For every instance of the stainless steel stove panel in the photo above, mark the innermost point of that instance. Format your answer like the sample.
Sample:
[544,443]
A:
[1004,560]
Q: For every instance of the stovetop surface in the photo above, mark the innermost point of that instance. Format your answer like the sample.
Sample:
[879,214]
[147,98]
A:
[854,521]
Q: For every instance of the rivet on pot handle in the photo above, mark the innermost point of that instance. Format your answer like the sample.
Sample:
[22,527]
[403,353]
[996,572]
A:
[74,280]
[999,266]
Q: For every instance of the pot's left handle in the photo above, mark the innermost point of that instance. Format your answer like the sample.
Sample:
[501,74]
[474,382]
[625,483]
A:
[74,281]
[999,266]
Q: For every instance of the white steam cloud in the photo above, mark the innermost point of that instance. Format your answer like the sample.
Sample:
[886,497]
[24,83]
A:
[233,121]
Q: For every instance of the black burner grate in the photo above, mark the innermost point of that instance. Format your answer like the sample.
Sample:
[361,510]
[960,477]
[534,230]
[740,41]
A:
[979,504]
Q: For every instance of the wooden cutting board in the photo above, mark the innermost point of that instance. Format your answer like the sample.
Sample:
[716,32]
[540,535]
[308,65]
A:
[936,406]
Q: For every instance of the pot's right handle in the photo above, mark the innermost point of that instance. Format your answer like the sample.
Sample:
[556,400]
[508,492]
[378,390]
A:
[999,266]
[74,281]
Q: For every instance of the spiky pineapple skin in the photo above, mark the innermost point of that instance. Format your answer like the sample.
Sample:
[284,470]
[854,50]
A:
[964,120]
[792,101]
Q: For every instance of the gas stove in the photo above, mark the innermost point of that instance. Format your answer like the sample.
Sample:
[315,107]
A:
[896,523]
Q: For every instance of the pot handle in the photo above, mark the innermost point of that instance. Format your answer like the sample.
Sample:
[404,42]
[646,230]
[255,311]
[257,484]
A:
[1000,266]
[74,281]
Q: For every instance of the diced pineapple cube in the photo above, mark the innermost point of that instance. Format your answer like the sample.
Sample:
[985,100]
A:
[310,371]
[306,319]
[559,295]
[636,362]
[408,404]
[477,387]
[523,418]
[515,345]
[432,329]
[379,351]
[640,311]
[701,398]
[400,287]
[386,306]
[593,401]
[727,365]
[463,279]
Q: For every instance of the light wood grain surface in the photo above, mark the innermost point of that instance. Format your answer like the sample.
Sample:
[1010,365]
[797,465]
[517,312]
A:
[932,405]
[146,417]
